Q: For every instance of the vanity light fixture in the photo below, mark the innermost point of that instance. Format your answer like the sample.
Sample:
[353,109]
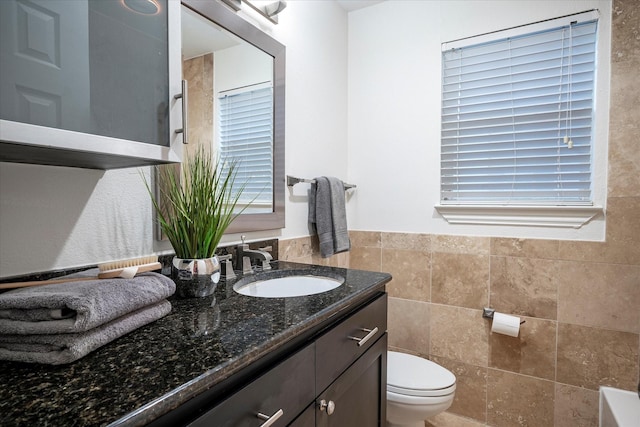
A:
[268,9]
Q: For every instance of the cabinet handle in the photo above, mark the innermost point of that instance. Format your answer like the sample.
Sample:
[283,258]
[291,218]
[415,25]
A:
[185,111]
[269,420]
[327,406]
[363,341]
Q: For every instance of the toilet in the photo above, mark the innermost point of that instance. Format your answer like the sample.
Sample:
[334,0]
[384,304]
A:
[417,389]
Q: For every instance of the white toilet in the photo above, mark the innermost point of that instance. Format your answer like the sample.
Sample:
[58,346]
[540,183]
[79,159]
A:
[417,389]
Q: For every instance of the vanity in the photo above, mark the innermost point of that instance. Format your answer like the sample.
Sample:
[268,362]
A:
[228,359]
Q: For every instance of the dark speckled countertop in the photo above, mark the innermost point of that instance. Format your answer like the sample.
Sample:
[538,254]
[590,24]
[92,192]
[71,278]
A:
[138,378]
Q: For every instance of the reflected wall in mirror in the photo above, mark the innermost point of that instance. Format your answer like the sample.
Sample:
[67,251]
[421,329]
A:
[236,80]
[230,105]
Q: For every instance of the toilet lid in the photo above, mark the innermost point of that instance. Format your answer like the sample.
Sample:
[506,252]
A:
[415,376]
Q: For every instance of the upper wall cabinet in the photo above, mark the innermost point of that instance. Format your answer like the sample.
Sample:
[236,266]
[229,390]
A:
[90,83]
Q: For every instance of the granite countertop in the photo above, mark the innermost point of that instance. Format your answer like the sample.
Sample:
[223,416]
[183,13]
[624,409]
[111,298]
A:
[153,370]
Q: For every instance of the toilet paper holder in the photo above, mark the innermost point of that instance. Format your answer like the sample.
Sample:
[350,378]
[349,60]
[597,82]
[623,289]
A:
[488,313]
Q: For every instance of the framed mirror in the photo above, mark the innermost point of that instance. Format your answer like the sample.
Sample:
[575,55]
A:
[236,80]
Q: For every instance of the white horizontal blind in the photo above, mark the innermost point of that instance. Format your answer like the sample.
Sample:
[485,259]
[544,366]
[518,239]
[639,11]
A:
[246,136]
[517,117]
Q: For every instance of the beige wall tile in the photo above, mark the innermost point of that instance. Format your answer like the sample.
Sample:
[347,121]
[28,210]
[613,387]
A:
[624,157]
[575,406]
[459,334]
[524,286]
[590,357]
[622,244]
[600,295]
[460,279]
[623,230]
[407,241]
[341,260]
[368,239]
[461,244]
[471,388]
[447,419]
[625,43]
[411,271]
[408,325]
[532,353]
[364,258]
[518,400]
[294,249]
[530,248]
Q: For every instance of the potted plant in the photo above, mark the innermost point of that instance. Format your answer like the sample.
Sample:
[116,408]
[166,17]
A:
[195,204]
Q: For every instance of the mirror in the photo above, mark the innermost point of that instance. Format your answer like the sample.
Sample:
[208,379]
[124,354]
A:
[235,76]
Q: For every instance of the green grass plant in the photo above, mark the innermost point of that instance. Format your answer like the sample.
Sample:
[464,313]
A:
[195,203]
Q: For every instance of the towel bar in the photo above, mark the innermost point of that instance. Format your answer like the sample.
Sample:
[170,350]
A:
[292,180]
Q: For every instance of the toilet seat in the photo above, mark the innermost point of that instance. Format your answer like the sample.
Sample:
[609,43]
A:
[410,375]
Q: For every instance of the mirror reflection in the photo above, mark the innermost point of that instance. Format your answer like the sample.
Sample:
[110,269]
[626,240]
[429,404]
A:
[231,105]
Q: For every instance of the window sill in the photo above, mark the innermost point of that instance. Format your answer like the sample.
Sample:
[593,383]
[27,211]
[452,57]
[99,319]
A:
[542,216]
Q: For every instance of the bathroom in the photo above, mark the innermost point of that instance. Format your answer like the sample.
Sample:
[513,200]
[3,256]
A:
[362,104]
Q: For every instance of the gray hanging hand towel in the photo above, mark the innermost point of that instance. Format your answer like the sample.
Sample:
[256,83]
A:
[57,349]
[341,242]
[327,210]
[78,306]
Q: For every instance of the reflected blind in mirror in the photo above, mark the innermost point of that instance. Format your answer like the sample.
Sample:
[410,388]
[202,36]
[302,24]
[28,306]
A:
[246,136]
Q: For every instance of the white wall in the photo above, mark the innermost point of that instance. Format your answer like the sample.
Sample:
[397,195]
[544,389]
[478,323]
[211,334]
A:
[55,217]
[394,108]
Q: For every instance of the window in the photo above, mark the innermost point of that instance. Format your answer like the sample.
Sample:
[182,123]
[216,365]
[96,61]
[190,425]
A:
[517,117]
[246,136]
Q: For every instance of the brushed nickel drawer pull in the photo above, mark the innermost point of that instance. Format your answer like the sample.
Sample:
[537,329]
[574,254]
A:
[370,334]
[269,420]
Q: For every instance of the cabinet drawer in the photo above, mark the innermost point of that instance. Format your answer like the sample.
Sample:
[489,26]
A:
[341,346]
[289,387]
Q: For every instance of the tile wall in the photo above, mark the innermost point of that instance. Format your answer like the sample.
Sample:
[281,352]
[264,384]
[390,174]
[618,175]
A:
[580,300]
[198,71]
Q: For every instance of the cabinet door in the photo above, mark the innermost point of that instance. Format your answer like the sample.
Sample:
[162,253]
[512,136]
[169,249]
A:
[341,346]
[87,76]
[359,396]
[281,393]
[307,418]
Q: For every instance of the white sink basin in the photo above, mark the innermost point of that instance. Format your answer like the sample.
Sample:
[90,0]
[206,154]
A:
[289,286]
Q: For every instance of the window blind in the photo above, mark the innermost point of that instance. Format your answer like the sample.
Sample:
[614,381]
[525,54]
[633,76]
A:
[517,118]
[246,137]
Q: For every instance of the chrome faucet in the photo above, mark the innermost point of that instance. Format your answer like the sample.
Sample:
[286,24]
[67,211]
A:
[244,257]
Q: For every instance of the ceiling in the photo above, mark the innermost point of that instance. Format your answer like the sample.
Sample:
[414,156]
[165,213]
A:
[350,5]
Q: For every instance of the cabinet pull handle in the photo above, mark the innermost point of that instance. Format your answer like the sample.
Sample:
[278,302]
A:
[329,406]
[269,420]
[185,111]
[363,341]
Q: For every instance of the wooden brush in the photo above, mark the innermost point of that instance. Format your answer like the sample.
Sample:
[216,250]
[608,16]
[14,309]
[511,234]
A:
[125,269]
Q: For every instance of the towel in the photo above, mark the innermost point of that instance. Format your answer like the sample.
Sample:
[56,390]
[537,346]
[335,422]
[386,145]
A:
[74,307]
[57,349]
[327,213]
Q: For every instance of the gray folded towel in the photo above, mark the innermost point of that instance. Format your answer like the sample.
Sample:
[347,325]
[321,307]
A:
[327,212]
[78,306]
[57,349]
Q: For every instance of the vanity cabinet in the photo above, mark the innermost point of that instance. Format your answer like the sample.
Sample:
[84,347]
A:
[351,370]
[337,379]
[279,395]
[90,83]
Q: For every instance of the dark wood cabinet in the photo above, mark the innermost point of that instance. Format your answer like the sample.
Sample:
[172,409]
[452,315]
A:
[337,379]
[358,396]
